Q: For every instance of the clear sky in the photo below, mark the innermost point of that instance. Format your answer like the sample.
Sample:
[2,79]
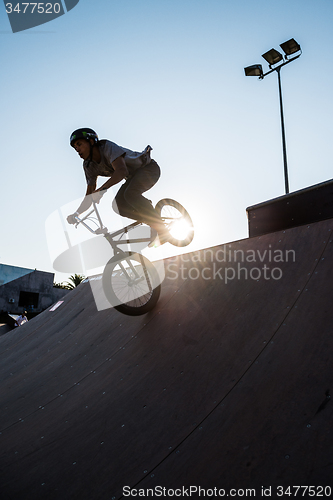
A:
[169,73]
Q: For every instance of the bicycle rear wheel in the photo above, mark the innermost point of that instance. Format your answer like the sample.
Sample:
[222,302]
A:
[131,284]
[177,220]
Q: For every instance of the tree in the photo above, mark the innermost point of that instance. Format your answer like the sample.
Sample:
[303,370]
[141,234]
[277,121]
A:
[59,285]
[74,281]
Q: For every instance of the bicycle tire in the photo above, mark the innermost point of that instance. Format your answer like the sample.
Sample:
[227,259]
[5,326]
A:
[171,212]
[131,284]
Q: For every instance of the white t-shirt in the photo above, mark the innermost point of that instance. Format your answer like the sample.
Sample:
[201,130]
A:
[109,153]
[21,320]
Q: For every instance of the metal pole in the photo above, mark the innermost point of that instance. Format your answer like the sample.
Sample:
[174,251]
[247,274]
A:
[283,135]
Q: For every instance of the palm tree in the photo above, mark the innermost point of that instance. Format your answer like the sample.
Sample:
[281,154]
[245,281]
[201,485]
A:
[59,285]
[75,281]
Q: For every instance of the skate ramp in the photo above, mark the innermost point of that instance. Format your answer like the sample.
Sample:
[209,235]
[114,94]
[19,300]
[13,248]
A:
[226,384]
[4,328]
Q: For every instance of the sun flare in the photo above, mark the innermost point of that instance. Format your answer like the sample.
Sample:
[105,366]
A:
[180,229]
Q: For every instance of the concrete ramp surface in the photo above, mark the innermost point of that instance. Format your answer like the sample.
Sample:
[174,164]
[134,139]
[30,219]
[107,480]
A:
[225,386]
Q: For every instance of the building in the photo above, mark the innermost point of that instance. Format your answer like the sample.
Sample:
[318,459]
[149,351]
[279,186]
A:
[27,289]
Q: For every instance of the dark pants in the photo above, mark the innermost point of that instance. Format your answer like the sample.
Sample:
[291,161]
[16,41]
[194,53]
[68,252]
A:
[129,201]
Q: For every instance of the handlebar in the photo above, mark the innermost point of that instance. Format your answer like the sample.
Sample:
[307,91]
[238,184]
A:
[100,230]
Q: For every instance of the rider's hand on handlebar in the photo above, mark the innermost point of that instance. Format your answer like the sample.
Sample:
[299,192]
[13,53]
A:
[71,219]
[97,195]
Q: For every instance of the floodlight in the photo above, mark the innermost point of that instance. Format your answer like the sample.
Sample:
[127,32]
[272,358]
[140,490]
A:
[290,47]
[272,57]
[255,70]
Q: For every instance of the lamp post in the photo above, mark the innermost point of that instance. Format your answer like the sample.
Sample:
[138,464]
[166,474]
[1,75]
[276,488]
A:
[292,50]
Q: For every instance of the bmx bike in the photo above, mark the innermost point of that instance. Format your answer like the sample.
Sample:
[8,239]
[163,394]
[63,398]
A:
[130,281]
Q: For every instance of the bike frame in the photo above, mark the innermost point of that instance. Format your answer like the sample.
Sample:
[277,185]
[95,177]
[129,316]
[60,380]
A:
[110,236]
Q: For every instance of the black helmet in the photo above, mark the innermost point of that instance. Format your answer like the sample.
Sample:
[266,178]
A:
[83,133]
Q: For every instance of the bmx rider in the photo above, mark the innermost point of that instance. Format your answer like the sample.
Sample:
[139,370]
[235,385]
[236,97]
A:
[107,159]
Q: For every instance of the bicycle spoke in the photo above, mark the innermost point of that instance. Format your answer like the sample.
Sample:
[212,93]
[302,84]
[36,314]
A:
[131,283]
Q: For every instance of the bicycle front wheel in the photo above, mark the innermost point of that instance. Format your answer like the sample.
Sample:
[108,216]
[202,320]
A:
[131,284]
[177,220]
